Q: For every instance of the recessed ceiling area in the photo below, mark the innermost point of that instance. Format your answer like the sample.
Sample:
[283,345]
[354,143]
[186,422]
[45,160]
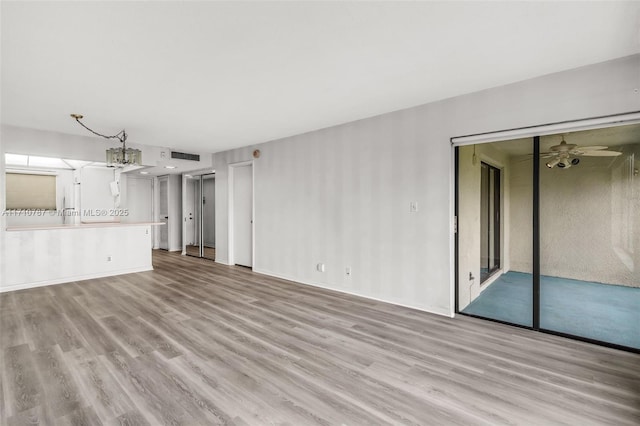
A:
[211,76]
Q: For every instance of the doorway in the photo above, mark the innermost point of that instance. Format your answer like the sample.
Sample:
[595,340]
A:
[241,214]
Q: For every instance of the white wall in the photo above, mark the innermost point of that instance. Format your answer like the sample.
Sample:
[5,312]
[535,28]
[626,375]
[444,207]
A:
[341,195]
[50,256]
[136,198]
[95,194]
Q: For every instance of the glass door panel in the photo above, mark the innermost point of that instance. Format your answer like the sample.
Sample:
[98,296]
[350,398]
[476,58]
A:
[495,217]
[590,235]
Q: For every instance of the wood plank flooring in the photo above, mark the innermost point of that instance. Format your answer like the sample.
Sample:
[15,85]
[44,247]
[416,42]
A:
[209,252]
[198,343]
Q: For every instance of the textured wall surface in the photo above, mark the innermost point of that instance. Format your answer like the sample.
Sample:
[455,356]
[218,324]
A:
[341,195]
[576,223]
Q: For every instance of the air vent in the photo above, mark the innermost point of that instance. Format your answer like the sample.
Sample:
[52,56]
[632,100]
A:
[185,156]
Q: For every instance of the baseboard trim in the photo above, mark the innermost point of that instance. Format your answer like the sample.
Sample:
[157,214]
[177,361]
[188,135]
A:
[74,278]
[312,284]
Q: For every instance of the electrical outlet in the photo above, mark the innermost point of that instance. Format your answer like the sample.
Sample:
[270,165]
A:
[347,271]
[108,258]
[413,207]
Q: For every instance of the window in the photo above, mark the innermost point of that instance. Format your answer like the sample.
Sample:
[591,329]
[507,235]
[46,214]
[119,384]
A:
[26,191]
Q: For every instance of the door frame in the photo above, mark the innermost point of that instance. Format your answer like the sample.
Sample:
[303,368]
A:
[231,210]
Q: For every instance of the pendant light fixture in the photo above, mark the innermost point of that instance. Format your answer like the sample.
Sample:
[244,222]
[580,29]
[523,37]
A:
[116,157]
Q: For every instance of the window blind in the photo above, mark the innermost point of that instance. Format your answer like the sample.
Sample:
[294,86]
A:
[30,191]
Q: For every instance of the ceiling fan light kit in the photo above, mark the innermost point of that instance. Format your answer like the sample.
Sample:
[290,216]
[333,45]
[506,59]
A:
[116,157]
[565,155]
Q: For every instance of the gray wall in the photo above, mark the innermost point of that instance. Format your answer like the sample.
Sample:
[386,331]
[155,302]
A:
[341,195]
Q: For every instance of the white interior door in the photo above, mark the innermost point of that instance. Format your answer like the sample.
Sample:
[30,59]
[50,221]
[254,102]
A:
[163,190]
[243,215]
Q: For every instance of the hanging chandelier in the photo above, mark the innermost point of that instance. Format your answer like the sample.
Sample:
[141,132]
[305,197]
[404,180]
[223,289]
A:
[116,157]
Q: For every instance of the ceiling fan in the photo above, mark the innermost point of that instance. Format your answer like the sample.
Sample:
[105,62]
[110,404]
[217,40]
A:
[565,154]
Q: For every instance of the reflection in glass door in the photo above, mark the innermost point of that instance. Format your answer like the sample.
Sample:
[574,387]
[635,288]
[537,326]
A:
[495,186]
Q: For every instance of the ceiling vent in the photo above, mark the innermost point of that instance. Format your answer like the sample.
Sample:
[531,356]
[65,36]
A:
[185,156]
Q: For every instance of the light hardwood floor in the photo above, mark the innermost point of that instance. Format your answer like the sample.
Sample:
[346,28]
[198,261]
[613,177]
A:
[198,343]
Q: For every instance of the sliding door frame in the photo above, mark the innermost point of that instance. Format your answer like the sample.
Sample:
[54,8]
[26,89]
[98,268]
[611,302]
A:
[536,233]
[533,132]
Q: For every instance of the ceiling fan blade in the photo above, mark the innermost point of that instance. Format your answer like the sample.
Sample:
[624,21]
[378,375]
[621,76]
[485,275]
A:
[591,148]
[601,154]
[549,154]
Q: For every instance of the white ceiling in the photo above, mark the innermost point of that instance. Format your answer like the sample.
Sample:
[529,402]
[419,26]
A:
[211,76]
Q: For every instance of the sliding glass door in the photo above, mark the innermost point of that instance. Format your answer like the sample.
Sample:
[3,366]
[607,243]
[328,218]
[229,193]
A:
[589,235]
[548,233]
